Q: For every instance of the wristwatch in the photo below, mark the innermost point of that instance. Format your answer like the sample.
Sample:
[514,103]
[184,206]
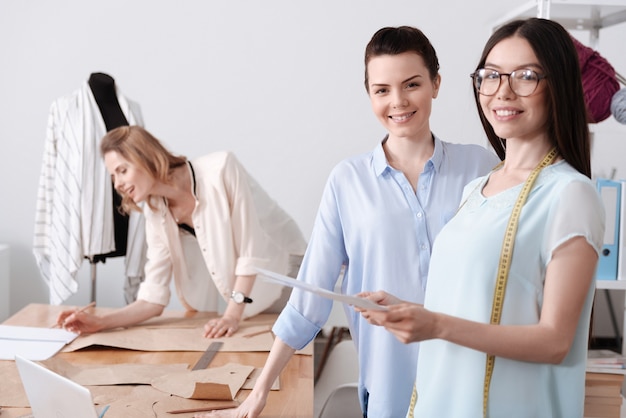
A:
[239,297]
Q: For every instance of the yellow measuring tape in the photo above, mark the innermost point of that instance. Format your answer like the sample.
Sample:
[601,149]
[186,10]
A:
[505,264]
[503,272]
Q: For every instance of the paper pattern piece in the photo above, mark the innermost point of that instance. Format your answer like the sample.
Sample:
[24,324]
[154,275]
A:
[33,343]
[152,338]
[112,374]
[146,402]
[120,398]
[168,338]
[220,383]
[185,334]
[256,373]
[273,277]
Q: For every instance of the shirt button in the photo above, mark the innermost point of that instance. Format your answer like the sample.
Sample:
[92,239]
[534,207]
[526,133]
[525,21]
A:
[418,214]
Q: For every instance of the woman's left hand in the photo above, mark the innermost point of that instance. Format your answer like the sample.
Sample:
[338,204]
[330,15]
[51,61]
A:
[221,327]
[380,297]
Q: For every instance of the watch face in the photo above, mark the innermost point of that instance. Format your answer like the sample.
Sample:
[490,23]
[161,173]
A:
[239,297]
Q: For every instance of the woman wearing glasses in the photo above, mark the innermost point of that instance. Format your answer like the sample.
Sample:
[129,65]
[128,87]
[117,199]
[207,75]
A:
[504,328]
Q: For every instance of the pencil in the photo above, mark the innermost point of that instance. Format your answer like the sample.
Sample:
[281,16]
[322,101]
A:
[254,334]
[205,408]
[84,308]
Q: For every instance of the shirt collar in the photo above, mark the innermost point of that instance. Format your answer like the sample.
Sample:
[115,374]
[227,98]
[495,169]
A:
[437,157]
[192,173]
[379,160]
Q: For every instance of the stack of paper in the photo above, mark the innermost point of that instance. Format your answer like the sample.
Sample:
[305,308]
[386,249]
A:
[605,361]
[32,343]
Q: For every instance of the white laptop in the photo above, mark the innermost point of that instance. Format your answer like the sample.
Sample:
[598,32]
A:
[53,396]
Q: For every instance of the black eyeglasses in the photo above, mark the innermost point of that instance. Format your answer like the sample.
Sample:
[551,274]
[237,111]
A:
[522,82]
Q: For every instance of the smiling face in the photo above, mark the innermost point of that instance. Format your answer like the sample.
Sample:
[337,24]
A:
[401,92]
[129,179]
[512,116]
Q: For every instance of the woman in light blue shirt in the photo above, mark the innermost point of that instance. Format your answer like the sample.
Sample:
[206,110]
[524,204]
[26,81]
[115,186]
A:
[379,214]
[531,362]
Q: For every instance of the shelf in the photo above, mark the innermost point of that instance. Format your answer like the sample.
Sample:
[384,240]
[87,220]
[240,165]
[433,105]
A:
[611,284]
[572,14]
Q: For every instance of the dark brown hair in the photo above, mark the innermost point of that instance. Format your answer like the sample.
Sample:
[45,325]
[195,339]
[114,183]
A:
[395,41]
[567,118]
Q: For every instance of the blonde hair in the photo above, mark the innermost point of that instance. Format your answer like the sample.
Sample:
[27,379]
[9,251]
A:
[140,147]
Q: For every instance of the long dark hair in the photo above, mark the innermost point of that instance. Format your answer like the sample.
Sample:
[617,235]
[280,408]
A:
[567,119]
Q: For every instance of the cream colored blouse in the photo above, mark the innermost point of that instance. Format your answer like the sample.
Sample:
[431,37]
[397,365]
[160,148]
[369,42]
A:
[238,226]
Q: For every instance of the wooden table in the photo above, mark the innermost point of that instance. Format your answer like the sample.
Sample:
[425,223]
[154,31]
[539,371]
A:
[294,399]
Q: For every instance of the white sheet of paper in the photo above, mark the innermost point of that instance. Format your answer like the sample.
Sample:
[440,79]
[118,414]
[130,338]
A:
[288,281]
[33,343]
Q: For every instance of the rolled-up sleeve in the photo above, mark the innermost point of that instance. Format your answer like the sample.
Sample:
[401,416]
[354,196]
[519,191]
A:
[294,329]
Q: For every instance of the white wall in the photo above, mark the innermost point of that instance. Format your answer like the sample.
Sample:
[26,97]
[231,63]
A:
[278,82]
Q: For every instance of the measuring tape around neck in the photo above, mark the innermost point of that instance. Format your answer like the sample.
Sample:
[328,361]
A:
[503,273]
[505,264]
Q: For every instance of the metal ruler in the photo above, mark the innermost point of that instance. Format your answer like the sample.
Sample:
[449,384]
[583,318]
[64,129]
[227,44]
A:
[208,355]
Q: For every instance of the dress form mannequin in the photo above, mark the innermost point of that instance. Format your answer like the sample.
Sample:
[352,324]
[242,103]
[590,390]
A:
[74,223]
[103,89]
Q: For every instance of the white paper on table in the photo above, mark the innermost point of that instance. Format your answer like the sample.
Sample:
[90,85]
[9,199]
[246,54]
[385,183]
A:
[33,343]
[291,282]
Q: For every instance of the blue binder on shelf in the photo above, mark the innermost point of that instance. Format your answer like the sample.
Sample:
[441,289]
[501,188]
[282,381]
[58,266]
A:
[611,195]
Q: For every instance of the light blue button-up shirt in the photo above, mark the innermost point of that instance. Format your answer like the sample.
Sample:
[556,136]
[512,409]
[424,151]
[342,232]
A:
[372,222]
